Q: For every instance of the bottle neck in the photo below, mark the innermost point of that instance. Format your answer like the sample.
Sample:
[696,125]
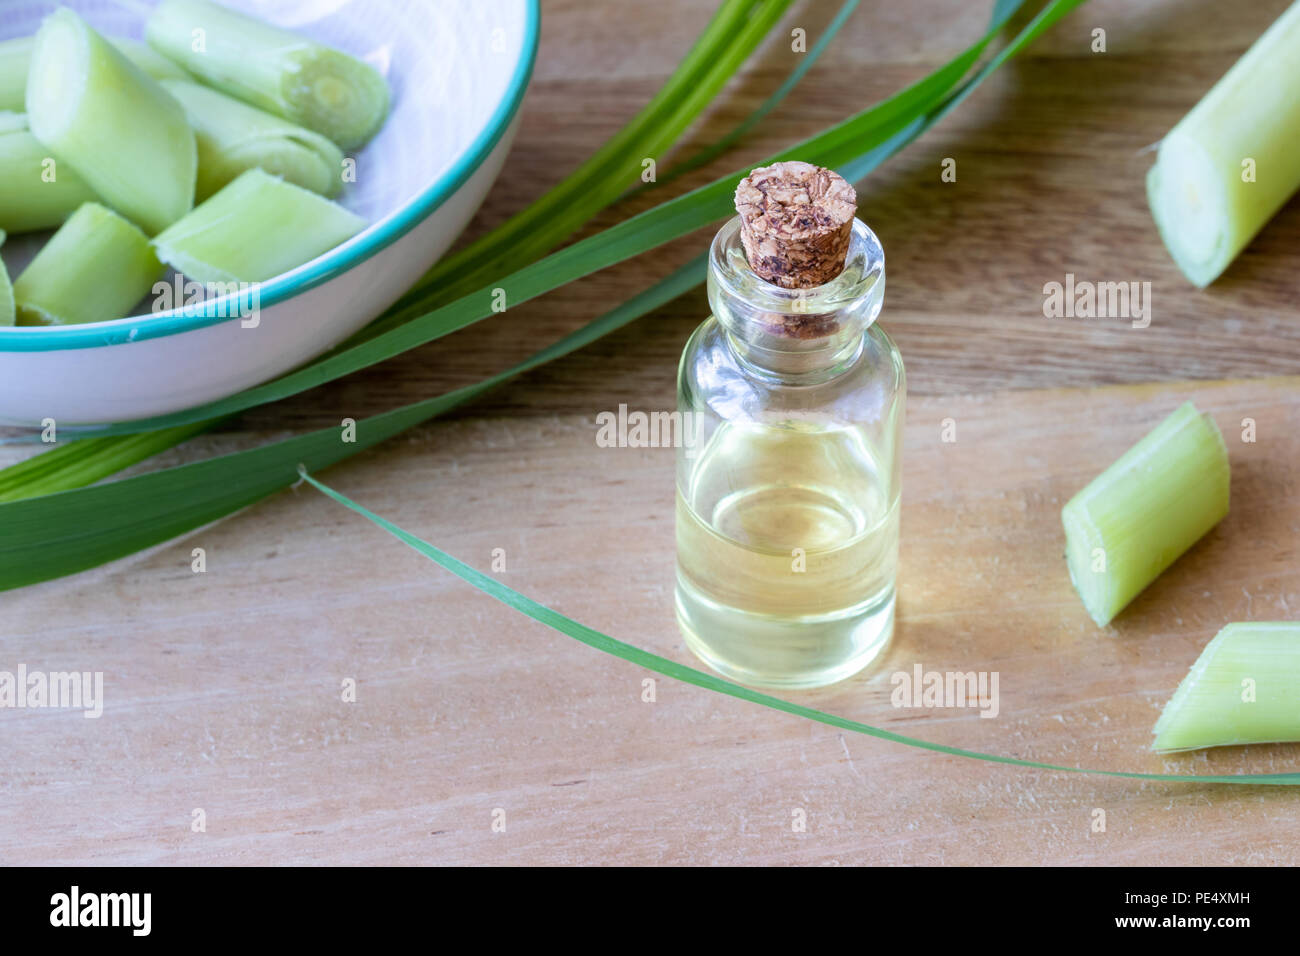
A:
[796,336]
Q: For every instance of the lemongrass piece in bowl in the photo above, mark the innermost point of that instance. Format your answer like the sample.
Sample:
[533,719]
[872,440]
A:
[256,228]
[95,268]
[234,137]
[16,60]
[276,70]
[419,182]
[1232,162]
[1243,689]
[1139,515]
[36,191]
[100,113]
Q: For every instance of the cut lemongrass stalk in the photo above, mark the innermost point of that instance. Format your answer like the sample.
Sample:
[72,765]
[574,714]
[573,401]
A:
[234,137]
[1140,514]
[1243,689]
[95,268]
[257,227]
[7,312]
[126,135]
[1231,162]
[36,190]
[312,85]
[16,59]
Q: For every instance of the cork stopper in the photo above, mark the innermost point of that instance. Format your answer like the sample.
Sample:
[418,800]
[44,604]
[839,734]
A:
[796,221]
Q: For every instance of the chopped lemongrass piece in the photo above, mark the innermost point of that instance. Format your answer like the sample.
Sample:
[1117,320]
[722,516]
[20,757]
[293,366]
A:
[36,190]
[1140,514]
[16,59]
[255,228]
[1231,162]
[95,268]
[7,312]
[234,137]
[1243,689]
[125,134]
[281,72]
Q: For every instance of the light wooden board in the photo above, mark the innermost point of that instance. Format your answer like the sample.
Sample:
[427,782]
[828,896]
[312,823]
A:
[223,688]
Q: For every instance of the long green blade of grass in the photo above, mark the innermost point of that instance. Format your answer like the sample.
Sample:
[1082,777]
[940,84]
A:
[690,675]
[709,153]
[95,458]
[61,533]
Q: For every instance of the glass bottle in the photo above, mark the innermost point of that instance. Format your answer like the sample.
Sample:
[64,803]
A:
[788,492]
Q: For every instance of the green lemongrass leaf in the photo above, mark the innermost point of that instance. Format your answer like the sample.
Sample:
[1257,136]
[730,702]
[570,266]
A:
[806,62]
[56,534]
[856,145]
[1046,18]
[85,461]
[1004,9]
[59,534]
[690,675]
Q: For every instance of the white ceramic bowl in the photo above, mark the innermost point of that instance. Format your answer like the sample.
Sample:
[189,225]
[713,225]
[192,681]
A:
[457,69]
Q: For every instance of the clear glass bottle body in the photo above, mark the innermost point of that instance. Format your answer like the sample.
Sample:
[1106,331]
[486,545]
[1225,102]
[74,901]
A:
[788,492]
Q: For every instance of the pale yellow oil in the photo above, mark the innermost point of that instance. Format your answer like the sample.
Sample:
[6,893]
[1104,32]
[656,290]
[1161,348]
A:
[787,549]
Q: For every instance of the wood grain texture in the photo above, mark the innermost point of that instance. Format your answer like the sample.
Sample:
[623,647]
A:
[223,689]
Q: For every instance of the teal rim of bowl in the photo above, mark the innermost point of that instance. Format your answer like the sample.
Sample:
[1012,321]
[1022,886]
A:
[334,263]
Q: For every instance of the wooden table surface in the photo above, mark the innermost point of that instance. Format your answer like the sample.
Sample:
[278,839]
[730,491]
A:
[223,689]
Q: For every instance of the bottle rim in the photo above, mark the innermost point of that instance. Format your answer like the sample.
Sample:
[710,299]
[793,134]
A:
[862,278]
